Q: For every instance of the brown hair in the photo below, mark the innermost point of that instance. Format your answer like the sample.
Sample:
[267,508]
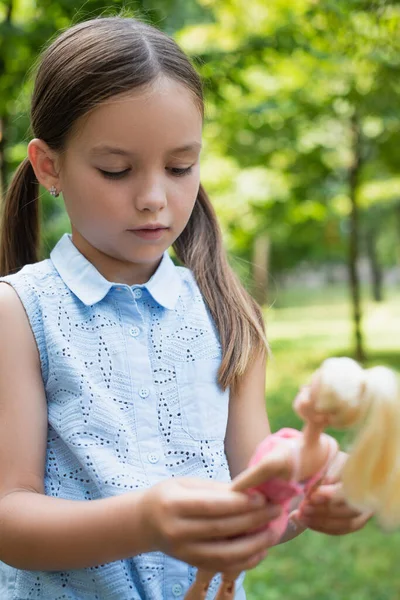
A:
[84,66]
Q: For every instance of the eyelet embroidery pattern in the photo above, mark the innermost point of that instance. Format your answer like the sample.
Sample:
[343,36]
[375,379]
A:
[95,445]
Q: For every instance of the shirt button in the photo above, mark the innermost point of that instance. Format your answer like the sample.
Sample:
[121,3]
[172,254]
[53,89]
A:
[144,392]
[134,331]
[137,293]
[177,589]
[153,457]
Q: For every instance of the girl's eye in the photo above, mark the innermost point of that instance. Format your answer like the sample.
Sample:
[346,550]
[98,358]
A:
[114,174]
[180,172]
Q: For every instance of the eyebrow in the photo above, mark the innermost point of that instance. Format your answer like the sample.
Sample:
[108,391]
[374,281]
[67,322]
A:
[121,152]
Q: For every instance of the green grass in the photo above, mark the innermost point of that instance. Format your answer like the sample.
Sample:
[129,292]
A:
[303,331]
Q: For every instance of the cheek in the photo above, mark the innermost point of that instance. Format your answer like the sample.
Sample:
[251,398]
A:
[184,198]
[79,188]
[87,197]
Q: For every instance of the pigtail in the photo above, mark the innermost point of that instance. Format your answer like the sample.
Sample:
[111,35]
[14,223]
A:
[19,230]
[371,476]
[237,316]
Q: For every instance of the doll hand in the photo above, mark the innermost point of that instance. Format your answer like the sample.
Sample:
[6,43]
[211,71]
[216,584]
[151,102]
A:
[304,406]
[326,510]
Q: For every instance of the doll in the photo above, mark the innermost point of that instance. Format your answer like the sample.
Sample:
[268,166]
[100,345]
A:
[290,463]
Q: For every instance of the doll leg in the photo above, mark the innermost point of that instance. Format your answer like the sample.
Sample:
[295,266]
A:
[198,590]
[226,590]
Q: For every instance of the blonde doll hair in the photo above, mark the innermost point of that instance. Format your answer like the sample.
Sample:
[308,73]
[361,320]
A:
[370,398]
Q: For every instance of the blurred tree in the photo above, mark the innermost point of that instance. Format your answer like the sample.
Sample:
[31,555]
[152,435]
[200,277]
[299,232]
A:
[303,97]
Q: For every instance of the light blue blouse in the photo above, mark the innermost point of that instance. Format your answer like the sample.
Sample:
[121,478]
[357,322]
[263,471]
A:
[130,374]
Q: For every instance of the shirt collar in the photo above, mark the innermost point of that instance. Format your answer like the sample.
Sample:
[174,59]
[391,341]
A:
[85,281]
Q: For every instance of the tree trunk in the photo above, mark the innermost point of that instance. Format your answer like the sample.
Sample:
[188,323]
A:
[353,179]
[261,252]
[375,267]
[397,213]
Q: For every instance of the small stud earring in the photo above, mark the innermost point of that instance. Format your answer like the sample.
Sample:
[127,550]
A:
[53,191]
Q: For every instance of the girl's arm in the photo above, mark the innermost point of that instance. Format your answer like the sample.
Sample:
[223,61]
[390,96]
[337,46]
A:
[248,420]
[37,531]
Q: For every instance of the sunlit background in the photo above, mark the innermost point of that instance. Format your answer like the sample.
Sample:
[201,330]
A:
[301,160]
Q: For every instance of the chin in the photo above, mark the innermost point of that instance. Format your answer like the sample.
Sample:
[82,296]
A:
[146,258]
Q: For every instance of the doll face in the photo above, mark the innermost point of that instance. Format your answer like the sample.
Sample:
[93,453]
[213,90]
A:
[333,398]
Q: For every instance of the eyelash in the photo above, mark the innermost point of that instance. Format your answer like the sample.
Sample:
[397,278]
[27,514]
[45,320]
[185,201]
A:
[120,174]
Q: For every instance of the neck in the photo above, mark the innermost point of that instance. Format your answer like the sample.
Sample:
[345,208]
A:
[312,432]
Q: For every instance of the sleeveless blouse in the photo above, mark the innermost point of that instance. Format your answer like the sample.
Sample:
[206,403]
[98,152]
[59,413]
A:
[130,376]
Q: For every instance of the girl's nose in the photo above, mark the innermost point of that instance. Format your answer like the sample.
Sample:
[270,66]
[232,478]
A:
[151,195]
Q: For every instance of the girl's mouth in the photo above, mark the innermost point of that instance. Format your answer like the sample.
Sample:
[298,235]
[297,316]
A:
[153,233]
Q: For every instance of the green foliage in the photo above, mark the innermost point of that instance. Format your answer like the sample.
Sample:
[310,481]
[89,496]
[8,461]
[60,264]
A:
[283,82]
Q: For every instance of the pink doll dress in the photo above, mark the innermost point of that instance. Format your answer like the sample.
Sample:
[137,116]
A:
[279,491]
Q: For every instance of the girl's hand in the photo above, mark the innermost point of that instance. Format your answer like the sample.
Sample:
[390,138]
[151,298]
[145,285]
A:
[206,524]
[326,510]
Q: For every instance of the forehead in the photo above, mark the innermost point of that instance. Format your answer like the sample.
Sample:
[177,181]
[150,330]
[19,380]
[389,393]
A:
[163,115]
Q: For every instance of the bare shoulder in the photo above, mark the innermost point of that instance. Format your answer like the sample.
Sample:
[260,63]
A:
[14,324]
[23,407]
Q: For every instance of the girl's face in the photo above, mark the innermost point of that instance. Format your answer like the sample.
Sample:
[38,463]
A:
[130,177]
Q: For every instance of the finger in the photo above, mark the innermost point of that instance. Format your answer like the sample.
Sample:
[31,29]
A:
[326,492]
[228,527]
[336,511]
[336,526]
[216,503]
[232,573]
[228,555]
[201,484]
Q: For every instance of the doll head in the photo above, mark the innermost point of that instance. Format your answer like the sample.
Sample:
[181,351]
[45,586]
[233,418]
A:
[342,394]
[336,395]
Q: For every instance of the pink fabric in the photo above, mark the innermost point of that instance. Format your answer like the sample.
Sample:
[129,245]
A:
[280,491]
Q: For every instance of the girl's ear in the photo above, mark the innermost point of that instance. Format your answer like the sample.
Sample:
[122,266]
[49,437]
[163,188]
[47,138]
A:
[44,162]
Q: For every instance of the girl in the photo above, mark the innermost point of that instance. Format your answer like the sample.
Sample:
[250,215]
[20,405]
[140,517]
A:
[131,390]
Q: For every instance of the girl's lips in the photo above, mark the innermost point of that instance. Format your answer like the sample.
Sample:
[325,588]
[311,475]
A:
[149,234]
